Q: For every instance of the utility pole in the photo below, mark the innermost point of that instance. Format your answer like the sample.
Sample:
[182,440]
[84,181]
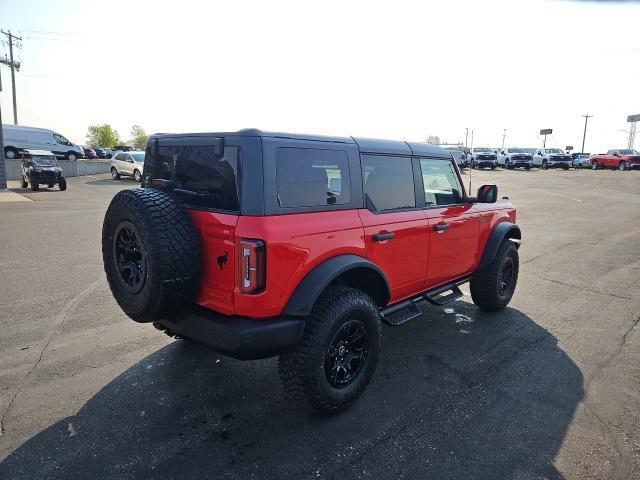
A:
[3,171]
[504,135]
[584,135]
[14,66]
[466,137]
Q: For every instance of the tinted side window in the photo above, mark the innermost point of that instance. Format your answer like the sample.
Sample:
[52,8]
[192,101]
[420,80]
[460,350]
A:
[201,179]
[309,177]
[388,182]
[441,185]
[120,157]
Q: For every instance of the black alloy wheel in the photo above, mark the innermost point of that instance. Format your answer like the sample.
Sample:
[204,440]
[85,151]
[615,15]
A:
[506,276]
[346,354]
[129,259]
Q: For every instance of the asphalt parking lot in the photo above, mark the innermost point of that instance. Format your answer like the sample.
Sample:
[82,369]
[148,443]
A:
[548,388]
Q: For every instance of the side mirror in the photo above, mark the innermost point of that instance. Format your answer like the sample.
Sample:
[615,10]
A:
[488,194]
[616,154]
[539,153]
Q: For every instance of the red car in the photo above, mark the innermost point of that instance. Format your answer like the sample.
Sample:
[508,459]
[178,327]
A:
[89,153]
[623,159]
[261,244]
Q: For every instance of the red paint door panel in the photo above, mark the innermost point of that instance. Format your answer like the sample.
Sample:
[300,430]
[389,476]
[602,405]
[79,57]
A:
[403,258]
[453,246]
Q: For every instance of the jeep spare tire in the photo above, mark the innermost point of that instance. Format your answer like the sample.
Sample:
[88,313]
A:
[151,254]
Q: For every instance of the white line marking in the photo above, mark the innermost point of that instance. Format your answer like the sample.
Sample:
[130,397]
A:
[557,194]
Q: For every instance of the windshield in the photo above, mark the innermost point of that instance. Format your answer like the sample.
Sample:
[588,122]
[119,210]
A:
[45,161]
[521,150]
[554,150]
[482,149]
[628,152]
[138,157]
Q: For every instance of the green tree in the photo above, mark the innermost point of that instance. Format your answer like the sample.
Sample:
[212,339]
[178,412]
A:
[102,136]
[433,140]
[139,138]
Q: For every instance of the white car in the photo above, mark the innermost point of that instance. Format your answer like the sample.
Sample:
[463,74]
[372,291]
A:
[129,164]
[514,157]
[18,138]
[582,161]
[552,158]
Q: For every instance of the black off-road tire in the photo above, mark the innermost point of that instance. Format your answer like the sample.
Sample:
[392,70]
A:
[302,370]
[24,183]
[35,186]
[485,285]
[168,252]
[62,184]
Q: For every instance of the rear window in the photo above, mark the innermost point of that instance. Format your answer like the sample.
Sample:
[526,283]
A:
[388,182]
[201,179]
[309,177]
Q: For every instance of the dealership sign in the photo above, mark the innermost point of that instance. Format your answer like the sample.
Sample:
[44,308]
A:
[634,118]
[546,131]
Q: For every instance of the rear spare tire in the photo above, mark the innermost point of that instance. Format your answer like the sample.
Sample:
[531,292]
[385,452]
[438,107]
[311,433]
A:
[151,254]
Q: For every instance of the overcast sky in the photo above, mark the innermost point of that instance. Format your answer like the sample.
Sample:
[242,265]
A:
[391,69]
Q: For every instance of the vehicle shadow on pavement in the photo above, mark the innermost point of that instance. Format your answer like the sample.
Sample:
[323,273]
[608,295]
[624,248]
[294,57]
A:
[460,394]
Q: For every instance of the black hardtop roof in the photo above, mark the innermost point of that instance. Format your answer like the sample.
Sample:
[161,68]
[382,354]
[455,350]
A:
[366,145]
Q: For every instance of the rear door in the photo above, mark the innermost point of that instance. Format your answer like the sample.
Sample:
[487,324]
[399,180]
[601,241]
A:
[396,234]
[453,223]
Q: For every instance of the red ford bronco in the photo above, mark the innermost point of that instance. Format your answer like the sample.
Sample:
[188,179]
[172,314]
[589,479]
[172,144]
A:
[262,244]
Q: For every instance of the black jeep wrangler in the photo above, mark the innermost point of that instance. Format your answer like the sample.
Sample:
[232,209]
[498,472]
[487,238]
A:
[41,167]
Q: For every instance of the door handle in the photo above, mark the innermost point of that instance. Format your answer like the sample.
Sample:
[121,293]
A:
[381,237]
[441,227]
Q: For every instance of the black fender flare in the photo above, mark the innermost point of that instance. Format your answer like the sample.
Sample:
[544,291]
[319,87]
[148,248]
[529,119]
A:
[501,231]
[313,284]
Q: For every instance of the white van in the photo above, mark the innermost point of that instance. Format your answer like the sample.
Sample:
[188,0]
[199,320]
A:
[19,137]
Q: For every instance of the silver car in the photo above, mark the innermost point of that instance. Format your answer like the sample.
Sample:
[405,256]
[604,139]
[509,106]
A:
[582,161]
[129,164]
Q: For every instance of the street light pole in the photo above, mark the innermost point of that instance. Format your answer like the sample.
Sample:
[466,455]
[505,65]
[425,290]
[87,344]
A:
[504,134]
[584,135]
[3,172]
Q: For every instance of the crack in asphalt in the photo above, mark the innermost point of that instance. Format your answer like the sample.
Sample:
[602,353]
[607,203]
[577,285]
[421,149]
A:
[624,467]
[567,284]
[61,319]
[395,433]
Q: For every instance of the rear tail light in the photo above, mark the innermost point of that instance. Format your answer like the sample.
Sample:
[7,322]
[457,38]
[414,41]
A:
[252,266]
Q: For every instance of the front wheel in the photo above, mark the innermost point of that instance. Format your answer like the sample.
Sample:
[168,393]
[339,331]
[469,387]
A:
[493,286]
[622,166]
[114,173]
[73,156]
[24,184]
[62,184]
[594,166]
[337,355]
[137,175]
[545,165]
[35,186]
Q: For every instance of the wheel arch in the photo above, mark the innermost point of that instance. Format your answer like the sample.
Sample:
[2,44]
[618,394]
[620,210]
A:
[500,232]
[350,270]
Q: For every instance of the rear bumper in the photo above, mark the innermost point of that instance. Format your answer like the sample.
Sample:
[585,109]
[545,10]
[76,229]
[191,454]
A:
[238,337]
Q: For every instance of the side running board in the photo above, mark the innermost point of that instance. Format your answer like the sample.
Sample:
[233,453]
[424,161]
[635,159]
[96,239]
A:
[408,310]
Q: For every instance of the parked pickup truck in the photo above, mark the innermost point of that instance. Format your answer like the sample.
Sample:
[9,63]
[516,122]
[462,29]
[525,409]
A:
[262,244]
[552,158]
[483,157]
[514,157]
[621,159]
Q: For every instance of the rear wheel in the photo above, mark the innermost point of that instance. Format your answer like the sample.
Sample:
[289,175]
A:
[35,186]
[62,184]
[151,254]
[137,175]
[24,183]
[337,355]
[493,286]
